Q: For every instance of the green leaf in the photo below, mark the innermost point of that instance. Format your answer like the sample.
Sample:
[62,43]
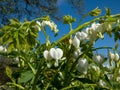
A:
[108,11]
[25,77]
[95,12]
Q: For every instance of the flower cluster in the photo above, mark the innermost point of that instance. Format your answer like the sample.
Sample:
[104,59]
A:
[91,33]
[51,24]
[53,53]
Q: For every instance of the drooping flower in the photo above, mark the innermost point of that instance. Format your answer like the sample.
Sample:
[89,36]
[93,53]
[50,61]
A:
[82,66]
[110,55]
[81,35]
[76,42]
[98,59]
[55,54]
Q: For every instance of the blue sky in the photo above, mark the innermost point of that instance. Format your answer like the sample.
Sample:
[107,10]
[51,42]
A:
[89,5]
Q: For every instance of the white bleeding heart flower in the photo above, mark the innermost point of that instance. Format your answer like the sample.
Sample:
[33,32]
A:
[110,55]
[98,59]
[81,35]
[56,53]
[116,57]
[76,42]
[82,66]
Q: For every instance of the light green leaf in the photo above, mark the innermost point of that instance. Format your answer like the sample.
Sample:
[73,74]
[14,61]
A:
[26,76]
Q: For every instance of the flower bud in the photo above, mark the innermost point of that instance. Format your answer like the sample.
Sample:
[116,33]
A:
[116,57]
[110,55]
[76,42]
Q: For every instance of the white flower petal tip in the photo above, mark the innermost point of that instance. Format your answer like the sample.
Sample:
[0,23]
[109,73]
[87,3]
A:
[60,53]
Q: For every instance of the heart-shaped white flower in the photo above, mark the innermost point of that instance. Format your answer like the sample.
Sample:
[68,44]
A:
[56,53]
[81,35]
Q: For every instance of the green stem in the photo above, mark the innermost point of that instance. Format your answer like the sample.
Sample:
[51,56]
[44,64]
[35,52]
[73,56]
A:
[104,47]
[79,28]
[37,74]
[17,85]
[70,87]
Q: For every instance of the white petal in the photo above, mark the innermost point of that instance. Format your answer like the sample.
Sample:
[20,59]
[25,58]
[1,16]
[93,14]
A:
[53,53]
[116,57]
[76,42]
[59,53]
[110,55]
[47,55]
